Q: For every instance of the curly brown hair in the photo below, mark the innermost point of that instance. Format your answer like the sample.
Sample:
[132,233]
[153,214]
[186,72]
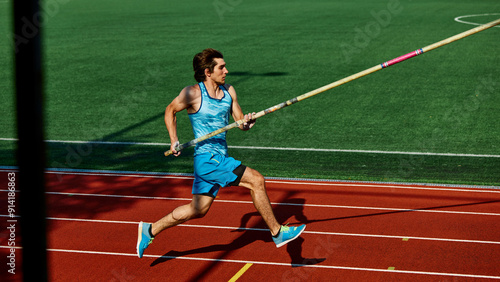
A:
[205,60]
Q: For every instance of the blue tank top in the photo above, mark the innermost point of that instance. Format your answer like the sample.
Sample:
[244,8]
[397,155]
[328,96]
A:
[213,114]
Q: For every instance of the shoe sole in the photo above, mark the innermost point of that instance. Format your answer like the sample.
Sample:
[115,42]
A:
[139,237]
[291,239]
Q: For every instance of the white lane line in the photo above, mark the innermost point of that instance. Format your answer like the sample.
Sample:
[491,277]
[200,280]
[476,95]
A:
[382,186]
[425,209]
[312,182]
[138,175]
[399,237]
[295,204]
[274,263]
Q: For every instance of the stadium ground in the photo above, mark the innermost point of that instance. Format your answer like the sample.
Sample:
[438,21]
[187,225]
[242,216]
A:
[113,66]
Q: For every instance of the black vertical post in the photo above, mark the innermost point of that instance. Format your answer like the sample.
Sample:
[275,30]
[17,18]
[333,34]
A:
[30,150]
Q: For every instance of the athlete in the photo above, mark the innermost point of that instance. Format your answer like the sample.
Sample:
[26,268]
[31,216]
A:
[209,105]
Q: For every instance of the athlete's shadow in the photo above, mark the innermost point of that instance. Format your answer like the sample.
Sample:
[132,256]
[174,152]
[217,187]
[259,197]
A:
[293,208]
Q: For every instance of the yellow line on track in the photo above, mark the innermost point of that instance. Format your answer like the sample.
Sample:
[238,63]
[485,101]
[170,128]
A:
[239,273]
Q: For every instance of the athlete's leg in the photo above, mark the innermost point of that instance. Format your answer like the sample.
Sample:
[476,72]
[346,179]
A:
[254,181]
[198,207]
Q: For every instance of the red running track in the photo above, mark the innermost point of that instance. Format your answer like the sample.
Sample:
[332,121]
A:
[355,231]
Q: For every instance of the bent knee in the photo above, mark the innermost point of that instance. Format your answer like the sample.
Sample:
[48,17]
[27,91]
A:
[259,178]
[253,179]
[188,213]
[199,212]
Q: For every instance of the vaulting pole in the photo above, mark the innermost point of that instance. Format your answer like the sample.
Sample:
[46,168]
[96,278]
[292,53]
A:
[340,82]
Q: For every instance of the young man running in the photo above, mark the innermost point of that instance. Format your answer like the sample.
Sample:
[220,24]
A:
[209,105]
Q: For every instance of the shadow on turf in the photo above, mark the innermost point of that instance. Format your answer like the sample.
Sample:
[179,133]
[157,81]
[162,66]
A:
[247,73]
[119,133]
[118,156]
[249,236]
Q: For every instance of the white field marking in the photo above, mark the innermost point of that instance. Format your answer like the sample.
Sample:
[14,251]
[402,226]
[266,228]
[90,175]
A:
[459,19]
[274,263]
[276,148]
[267,230]
[368,151]
[426,210]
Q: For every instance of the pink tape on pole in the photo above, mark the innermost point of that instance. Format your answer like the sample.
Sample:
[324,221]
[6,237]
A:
[402,58]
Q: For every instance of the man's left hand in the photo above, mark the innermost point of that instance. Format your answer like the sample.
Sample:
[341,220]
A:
[249,121]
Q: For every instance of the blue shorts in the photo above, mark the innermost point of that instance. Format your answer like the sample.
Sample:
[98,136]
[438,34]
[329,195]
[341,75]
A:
[213,171]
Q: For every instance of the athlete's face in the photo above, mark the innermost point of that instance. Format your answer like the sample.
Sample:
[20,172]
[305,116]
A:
[219,73]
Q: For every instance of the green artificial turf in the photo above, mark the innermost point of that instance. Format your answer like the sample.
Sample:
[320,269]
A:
[111,68]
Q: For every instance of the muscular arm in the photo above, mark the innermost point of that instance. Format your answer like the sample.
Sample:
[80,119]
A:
[238,113]
[186,100]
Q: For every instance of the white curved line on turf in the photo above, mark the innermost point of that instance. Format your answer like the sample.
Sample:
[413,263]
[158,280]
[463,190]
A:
[458,19]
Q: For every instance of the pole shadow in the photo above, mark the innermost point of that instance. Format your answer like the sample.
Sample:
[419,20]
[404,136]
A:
[251,234]
[294,207]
